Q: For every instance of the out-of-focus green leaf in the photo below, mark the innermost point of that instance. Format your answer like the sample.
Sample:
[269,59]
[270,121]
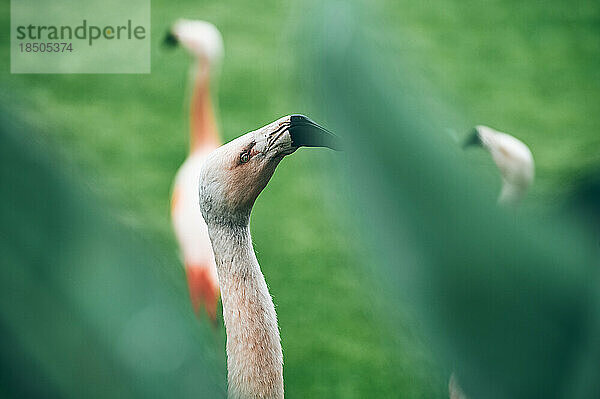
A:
[584,203]
[84,312]
[508,300]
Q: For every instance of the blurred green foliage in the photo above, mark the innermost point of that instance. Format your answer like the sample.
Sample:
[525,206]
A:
[83,309]
[529,68]
[510,301]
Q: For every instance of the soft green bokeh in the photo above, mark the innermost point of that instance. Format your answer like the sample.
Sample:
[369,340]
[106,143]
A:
[528,68]
[84,311]
[508,299]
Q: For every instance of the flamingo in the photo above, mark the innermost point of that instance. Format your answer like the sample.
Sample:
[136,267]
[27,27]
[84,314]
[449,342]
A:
[203,41]
[513,159]
[230,181]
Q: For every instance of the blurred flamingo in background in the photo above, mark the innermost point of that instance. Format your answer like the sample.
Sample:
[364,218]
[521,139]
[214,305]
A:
[513,159]
[204,42]
[515,163]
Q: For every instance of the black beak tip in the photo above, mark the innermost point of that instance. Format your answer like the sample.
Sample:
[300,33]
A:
[472,139]
[299,118]
[307,133]
[170,40]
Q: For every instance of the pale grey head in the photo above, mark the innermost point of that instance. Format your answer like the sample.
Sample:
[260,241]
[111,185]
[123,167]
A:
[512,157]
[234,174]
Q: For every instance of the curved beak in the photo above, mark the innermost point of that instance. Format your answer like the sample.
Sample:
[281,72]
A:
[170,40]
[307,133]
[472,139]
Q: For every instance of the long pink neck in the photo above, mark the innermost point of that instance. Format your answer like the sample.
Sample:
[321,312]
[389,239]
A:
[203,126]
[254,355]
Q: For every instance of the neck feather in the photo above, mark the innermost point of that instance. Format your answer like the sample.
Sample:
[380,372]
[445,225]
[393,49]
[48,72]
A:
[511,194]
[254,356]
[203,125]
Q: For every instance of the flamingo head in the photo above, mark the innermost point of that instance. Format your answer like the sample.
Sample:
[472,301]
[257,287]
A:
[512,157]
[235,174]
[202,39]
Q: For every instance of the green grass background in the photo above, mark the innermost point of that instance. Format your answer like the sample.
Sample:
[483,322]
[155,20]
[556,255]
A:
[530,68]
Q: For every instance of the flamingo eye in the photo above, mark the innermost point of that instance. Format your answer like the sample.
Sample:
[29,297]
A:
[244,157]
